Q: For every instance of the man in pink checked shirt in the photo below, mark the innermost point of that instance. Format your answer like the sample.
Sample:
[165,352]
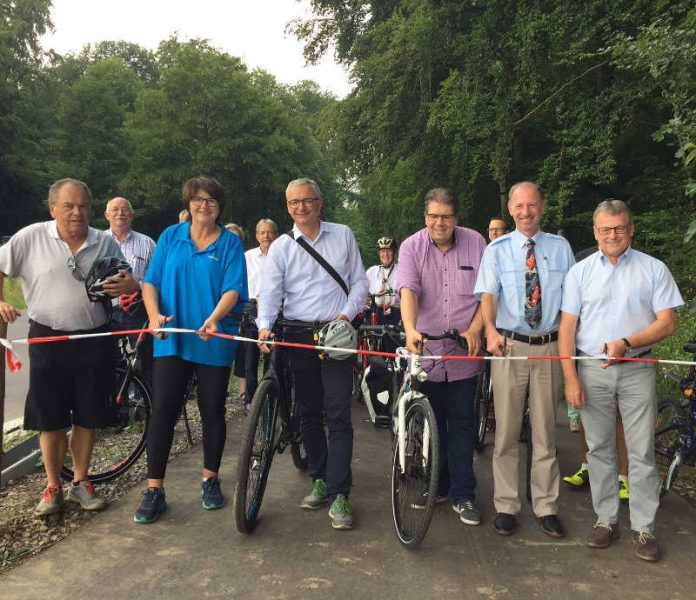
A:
[437,272]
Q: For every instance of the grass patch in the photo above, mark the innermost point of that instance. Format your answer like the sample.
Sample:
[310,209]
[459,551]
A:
[13,292]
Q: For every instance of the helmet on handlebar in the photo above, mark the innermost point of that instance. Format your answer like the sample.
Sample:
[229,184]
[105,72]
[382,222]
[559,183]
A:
[386,243]
[338,334]
[102,269]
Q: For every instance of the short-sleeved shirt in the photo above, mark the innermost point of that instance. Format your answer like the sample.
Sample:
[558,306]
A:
[382,279]
[444,284]
[55,292]
[502,275]
[293,278]
[191,282]
[614,302]
[137,248]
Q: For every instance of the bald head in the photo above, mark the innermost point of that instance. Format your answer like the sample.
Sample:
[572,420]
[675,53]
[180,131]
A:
[119,214]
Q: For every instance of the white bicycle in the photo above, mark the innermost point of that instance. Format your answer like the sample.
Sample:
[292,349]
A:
[416,459]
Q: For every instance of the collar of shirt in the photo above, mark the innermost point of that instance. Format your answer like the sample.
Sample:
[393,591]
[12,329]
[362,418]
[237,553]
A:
[128,237]
[183,234]
[90,240]
[622,259]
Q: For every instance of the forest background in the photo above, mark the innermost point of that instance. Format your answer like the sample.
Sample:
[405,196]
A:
[590,99]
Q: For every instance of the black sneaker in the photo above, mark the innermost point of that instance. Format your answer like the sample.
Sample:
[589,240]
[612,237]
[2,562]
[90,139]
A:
[505,523]
[212,494]
[151,507]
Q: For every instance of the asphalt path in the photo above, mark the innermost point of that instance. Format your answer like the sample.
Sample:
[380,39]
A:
[193,553]
[17,383]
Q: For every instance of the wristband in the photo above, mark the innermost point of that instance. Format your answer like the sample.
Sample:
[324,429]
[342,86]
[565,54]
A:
[627,344]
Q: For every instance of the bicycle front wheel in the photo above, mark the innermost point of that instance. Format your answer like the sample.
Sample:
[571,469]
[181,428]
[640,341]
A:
[484,396]
[671,419]
[256,455]
[297,449]
[118,446]
[414,484]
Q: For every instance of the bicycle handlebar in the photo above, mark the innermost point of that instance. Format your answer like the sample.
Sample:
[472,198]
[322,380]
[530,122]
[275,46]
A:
[450,334]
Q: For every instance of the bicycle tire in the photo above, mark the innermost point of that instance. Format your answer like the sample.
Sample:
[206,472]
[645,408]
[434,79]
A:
[119,446]
[414,491]
[527,425]
[482,407]
[669,424]
[297,449]
[256,455]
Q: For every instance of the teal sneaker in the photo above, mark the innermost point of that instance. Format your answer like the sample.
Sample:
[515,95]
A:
[151,507]
[316,497]
[212,494]
[340,513]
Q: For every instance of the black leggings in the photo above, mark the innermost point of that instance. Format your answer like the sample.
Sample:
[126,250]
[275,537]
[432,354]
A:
[169,377]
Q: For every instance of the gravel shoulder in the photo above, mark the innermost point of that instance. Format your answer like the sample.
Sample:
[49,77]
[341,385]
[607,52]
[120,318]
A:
[23,535]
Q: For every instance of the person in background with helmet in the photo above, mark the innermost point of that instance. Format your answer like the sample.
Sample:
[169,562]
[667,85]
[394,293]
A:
[67,387]
[382,280]
[197,276]
[293,277]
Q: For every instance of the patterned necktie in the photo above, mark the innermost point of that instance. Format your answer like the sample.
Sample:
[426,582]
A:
[532,301]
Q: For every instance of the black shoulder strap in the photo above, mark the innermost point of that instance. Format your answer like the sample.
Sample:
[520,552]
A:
[320,259]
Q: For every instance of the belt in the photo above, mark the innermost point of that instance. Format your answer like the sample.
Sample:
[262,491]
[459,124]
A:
[534,340]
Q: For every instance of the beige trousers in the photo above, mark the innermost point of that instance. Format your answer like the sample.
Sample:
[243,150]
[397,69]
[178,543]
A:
[513,380]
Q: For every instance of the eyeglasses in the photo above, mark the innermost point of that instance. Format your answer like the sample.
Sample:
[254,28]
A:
[497,229]
[302,201]
[618,230]
[199,200]
[75,270]
[445,218]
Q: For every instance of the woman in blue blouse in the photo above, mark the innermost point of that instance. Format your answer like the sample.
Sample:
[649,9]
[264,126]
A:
[196,277]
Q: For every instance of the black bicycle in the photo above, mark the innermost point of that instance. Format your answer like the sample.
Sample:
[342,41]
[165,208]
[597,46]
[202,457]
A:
[675,429]
[273,424]
[119,445]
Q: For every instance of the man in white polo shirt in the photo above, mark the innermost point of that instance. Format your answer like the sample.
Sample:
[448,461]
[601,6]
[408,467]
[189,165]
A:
[66,380]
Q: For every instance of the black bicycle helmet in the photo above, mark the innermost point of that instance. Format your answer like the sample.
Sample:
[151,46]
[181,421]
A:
[101,270]
[386,243]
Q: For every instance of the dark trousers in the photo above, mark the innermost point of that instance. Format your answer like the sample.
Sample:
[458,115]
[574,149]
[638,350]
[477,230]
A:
[323,390]
[252,356]
[453,403]
[170,375]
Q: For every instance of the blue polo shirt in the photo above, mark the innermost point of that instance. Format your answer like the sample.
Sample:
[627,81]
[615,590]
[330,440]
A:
[190,284]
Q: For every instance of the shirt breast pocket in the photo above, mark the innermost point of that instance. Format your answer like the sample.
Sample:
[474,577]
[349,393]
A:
[555,275]
[465,280]
[508,283]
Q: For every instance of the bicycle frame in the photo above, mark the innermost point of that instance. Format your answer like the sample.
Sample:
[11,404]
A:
[409,390]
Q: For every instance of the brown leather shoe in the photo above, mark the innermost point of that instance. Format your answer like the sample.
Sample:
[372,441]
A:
[646,546]
[602,535]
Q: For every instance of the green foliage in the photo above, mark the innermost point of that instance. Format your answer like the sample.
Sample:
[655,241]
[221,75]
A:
[590,99]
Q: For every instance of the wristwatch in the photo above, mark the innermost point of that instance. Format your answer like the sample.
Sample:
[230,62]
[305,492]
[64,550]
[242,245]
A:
[627,344]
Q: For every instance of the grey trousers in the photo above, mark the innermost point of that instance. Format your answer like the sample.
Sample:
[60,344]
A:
[631,388]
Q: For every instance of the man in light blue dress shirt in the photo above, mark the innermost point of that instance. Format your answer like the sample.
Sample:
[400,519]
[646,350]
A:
[308,293]
[502,288]
[620,302]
